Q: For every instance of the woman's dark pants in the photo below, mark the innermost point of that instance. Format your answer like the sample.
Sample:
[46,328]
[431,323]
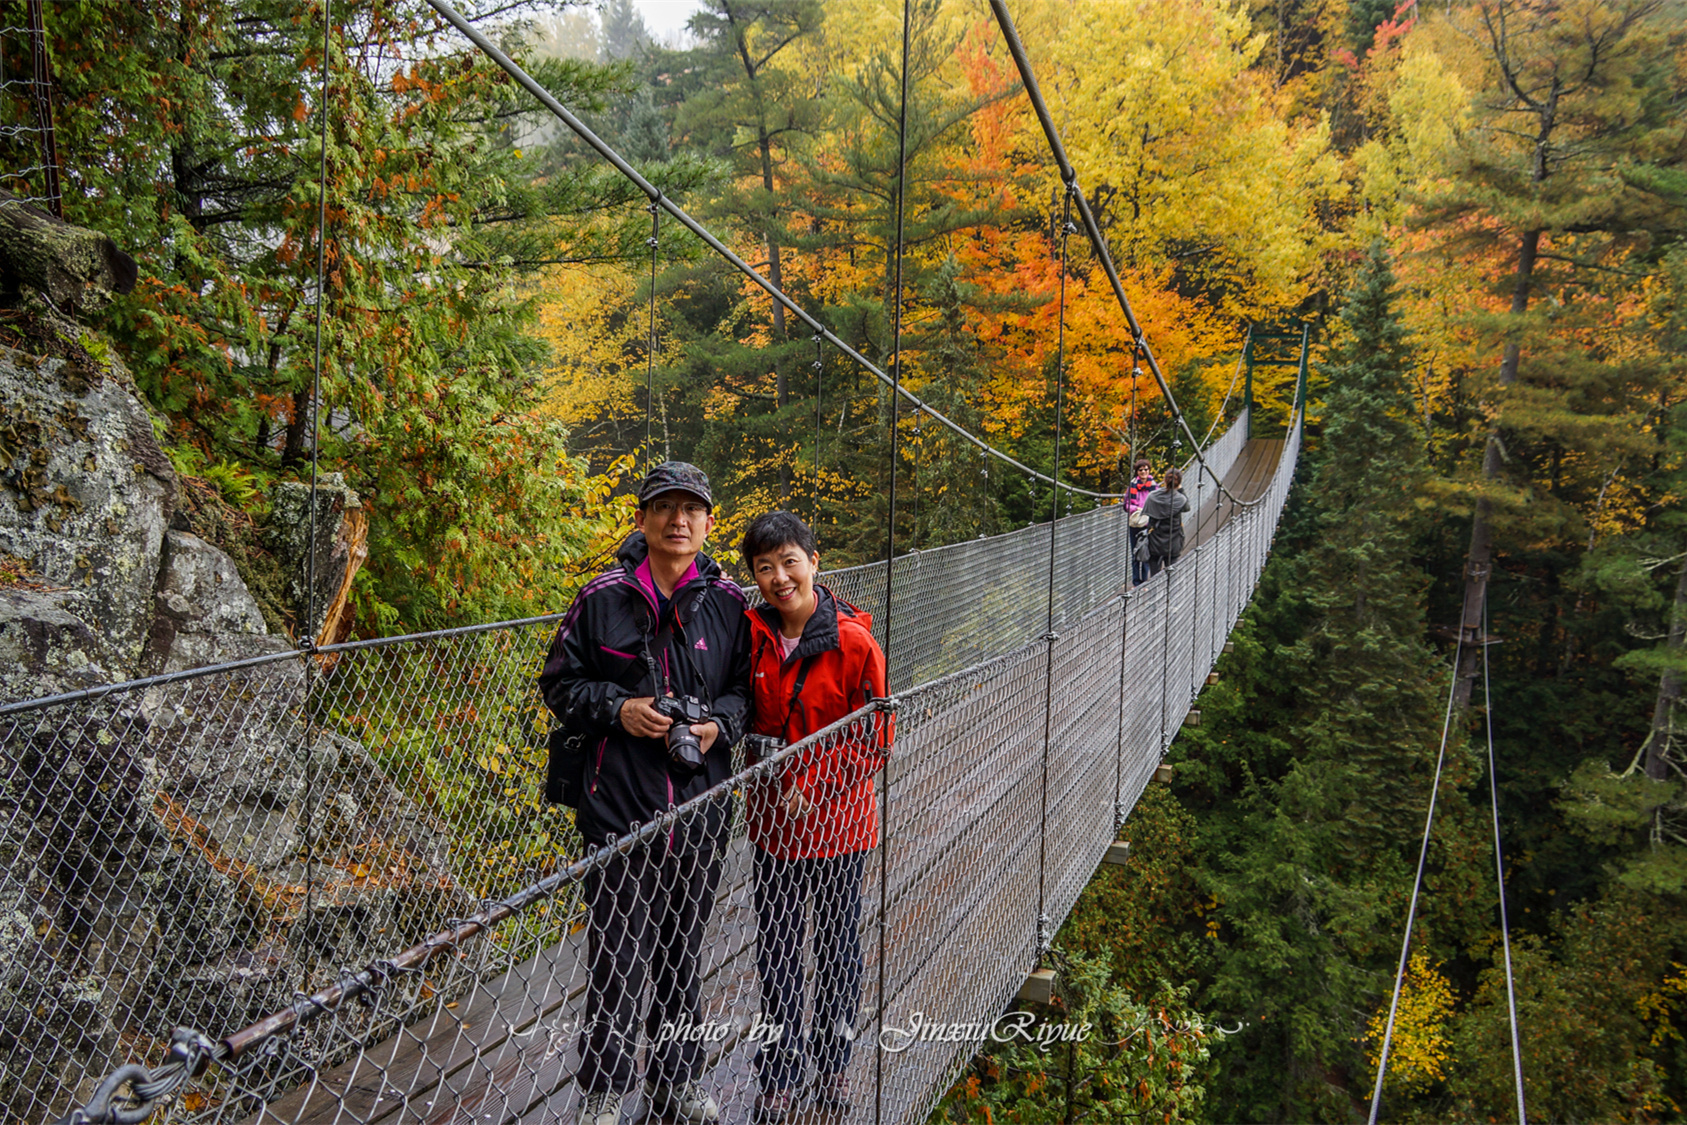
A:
[831,886]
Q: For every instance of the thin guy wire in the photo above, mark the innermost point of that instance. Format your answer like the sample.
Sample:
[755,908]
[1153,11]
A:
[1043,936]
[1499,872]
[1417,887]
[890,539]
[650,340]
[1069,175]
[620,164]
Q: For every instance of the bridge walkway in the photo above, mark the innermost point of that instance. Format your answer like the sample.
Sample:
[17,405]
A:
[509,1055]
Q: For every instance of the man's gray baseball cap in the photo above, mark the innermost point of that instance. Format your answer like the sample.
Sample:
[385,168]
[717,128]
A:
[670,475]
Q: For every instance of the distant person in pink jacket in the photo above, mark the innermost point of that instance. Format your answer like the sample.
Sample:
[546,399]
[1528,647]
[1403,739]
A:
[1135,497]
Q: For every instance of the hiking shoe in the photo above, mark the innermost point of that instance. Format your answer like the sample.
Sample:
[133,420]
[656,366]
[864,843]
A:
[685,1101]
[601,1109]
[772,1109]
[831,1091]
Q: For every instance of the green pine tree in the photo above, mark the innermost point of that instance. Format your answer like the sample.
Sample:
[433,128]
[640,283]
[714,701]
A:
[1317,845]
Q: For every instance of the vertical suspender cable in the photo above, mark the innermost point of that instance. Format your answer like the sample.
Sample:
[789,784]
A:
[309,639]
[1119,749]
[1044,924]
[316,370]
[1165,654]
[819,369]
[1195,601]
[650,340]
[1499,873]
[890,534]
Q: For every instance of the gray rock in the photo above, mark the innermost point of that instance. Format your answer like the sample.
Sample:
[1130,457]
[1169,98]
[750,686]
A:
[73,267]
[200,590]
[236,989]
[85,496]
[45,648]
[341,546]
[205,615]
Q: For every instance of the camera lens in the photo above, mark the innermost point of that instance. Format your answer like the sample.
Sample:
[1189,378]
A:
[684,746]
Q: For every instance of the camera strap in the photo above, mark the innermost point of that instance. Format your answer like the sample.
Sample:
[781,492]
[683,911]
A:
[658,680]
[796,695]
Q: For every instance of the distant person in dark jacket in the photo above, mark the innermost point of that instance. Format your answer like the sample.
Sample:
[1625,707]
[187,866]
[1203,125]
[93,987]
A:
[666,622]
[1164,509]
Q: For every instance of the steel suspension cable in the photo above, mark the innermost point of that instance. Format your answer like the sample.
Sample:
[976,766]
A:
[1044,925]
[1499,874]
[1417,888]
[1098,241]
[679,214]
[890,533]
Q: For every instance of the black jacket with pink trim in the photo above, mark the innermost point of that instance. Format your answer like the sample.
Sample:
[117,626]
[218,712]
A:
[701,646]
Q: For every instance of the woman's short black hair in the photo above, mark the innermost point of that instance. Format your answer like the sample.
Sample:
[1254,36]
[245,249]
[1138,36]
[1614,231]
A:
[773,530]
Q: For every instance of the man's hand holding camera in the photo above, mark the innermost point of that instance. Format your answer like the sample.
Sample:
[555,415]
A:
[640,718]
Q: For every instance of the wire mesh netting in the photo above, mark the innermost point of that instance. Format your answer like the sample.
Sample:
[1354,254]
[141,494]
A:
[27,168]
[959,604]
[339,868]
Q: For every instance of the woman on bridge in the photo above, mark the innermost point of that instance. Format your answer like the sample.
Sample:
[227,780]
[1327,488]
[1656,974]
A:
[1164,509]
[813,660]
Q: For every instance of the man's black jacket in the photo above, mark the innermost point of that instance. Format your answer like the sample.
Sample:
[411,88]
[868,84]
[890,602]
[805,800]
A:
[701,647]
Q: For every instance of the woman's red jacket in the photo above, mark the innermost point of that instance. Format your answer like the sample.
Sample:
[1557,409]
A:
[846,668]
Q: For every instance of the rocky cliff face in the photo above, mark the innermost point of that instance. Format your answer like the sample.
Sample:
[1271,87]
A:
[189,853]
[85,499]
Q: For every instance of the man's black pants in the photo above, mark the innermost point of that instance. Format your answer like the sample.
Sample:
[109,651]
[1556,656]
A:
[833,885]
[648,912]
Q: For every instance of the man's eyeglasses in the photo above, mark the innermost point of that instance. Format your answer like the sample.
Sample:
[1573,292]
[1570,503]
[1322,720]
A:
[692,509]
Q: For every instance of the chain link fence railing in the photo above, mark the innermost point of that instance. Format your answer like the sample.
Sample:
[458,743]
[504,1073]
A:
[222,850]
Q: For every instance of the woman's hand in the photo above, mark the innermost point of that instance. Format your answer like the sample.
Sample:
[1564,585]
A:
[706,733]
[796,805]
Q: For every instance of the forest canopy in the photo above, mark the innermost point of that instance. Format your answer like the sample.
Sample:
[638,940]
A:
[1477,210]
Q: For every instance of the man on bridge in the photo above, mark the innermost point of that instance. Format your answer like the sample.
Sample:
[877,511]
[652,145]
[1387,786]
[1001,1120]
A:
[662,635]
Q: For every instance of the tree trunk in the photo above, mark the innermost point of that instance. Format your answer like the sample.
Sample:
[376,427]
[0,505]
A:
[1480,561]
[298,426]
[1669,685]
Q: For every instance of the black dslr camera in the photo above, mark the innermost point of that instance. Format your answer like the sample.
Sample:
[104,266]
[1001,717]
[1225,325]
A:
[683,746]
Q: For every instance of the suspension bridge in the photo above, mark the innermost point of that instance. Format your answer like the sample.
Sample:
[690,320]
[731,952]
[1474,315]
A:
[352,907]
